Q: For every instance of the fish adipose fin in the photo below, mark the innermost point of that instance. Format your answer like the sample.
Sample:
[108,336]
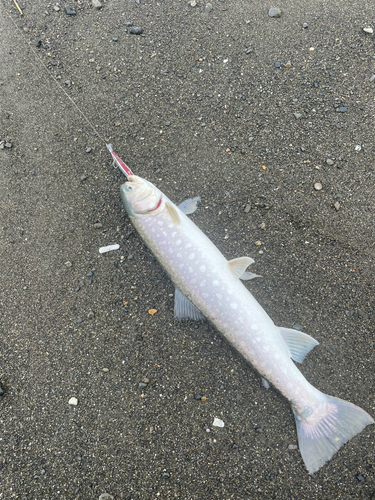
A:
[189,206]
[238,267]
[323,431]
[299,344]
[173,213]
[183,308]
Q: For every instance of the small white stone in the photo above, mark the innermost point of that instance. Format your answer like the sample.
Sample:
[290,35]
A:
[318,186]
[109,248]
[218,423]
[73,401]
[68,264]
[368,30]
[358,147]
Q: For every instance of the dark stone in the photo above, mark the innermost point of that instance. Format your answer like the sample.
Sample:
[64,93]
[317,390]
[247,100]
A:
[39,43]
[134,30]
[277,65]
[69,11]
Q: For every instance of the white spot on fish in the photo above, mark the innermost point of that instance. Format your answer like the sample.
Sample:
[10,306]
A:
[178,242]
[188,245]
[179,256]
[233,305]
[160,223]
[205,295]
[191,269]
[215,282]
[174,234]
[191,256]
[170,225]
[202,269]
[202,283]
[218,295]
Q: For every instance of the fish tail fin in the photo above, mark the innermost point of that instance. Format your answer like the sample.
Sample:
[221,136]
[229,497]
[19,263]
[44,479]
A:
[324,430]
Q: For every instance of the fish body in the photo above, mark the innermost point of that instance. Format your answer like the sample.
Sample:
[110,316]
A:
[209,286]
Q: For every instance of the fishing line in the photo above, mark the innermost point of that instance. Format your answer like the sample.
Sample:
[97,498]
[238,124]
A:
[117,160]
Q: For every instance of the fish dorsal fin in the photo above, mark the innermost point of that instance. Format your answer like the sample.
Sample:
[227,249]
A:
[173,213]
[189,206]
[299,344]
[183,308]
[239,266]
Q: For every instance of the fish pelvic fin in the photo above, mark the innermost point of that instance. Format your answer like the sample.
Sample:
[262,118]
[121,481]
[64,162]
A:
[298,343]
[324,430]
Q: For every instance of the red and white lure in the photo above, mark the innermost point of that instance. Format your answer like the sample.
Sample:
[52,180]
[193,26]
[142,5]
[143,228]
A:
[119,163]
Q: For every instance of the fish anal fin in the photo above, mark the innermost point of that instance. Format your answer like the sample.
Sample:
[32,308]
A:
[183,308]
[239,266]
[189,206]
[173,213]
[299,344]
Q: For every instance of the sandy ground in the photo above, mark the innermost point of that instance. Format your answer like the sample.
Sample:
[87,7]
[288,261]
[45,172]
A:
[197,105]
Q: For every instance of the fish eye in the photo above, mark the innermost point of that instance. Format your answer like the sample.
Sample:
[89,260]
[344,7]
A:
[128,188]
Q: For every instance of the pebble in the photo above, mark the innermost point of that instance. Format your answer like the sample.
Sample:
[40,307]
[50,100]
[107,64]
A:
[142,385]
[297,116]
[329,162]
[360,478]
[265,383]
[68,263]
[73,401]
[218,423]
[56,8]
[258,243]
[318,186]
[358,148]
[368,30]
[38,43]
[288,65]
[274,12]
[197,397]
[208,8]
[1,391]
[134,30]
[247,209]
[298,327]
[165,475]
[277,65]
[305,26]
[337,206]
[109,248]
[91,315]
[292,447]
[114,39]
[8,145]
[96,4]
[372,78]
[69,11]
[106,496]
[342,109]
[88,150]
[105,370]
[98,225]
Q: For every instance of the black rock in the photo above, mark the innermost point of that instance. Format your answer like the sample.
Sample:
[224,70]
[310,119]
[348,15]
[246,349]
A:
[69,11]
[39,43]
[134,30]
[360,478]
[1,391]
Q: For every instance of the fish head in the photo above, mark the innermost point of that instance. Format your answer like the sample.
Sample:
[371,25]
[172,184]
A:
[140,196]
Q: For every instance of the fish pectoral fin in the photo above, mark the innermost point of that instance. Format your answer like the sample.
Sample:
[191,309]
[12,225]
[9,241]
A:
[183,308]
[239,266]
[246,276]
[173,213]
[299,344]
[189,206]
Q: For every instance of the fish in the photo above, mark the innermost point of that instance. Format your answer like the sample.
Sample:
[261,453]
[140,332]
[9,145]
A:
[208,286]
